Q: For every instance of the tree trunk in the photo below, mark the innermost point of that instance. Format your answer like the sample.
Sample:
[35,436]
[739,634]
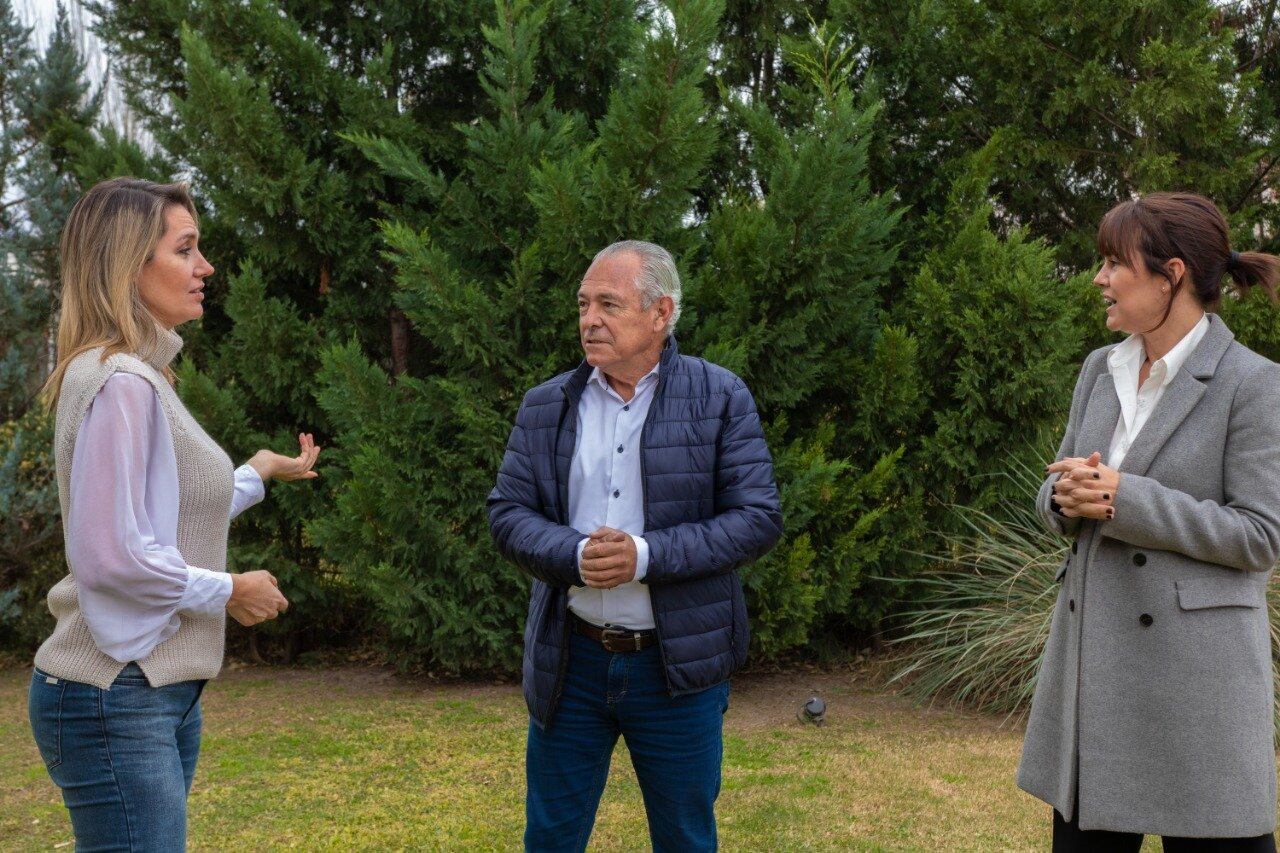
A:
[399,342]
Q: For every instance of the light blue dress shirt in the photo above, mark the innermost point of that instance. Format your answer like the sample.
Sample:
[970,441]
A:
[606,490]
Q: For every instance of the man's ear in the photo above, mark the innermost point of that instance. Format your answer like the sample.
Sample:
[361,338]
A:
[666,307]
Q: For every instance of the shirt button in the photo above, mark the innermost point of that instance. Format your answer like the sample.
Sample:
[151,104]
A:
[619,448]
[616,493]
[626,408]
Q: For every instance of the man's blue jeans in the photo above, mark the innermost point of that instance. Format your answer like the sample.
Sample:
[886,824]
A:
[123,757]
[675,745]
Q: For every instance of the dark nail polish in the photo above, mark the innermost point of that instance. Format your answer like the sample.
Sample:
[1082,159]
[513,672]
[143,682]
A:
[1106,497]
[1097,476]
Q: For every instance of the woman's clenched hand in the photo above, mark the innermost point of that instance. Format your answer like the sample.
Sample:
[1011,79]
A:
[1085,487]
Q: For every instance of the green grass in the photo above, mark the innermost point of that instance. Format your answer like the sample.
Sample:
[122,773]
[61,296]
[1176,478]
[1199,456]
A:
[356,759]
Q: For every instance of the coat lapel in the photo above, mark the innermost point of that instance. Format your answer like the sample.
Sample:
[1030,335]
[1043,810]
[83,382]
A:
[1179,398]
[1100,416]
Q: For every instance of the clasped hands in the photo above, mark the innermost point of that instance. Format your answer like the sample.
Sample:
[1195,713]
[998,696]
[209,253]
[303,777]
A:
[608,559]
[1085,488]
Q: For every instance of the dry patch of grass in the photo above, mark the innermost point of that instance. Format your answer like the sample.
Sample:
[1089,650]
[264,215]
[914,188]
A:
[356,759]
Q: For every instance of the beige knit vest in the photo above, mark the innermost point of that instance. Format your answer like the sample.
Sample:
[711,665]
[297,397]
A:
[205,485]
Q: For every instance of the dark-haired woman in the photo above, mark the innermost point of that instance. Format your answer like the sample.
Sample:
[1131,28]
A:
[1153,711]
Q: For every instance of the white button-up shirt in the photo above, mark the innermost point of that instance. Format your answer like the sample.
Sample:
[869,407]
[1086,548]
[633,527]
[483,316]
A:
[606,490]
[1136,404]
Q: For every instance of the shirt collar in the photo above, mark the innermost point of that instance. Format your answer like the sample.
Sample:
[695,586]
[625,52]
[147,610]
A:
[1130,353]
[597,376]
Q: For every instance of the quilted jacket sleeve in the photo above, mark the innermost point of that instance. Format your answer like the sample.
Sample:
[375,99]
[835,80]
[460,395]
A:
[523,534]
[748,519]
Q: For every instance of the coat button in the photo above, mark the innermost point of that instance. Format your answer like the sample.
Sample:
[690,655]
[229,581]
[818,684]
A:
[1145,620]
[1139,559]
[1071,605]
[1074,545]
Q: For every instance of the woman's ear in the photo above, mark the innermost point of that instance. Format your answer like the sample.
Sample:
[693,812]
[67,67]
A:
[1175,269]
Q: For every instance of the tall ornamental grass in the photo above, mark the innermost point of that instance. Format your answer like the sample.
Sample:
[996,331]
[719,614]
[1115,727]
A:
[976,632]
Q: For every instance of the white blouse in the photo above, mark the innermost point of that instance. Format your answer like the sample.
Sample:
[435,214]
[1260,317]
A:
[122,530]
[1137,403]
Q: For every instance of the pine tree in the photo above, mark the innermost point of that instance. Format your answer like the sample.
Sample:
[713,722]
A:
[260,101]
[780,286]
[486,267]
[47,111]
[1000,334]
[789,298]
[1092,102]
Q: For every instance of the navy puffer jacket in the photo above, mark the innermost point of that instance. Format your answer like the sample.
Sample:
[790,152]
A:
[710,505]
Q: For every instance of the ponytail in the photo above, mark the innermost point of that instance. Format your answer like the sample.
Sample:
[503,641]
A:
[1255,269]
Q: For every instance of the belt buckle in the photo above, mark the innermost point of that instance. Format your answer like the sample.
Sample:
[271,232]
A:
[608,634]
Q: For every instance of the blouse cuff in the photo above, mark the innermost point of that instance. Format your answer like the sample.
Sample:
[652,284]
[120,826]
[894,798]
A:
[207,592]
[248,489]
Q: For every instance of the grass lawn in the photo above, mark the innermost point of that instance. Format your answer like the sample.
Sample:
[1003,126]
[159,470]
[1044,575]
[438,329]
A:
[358,759]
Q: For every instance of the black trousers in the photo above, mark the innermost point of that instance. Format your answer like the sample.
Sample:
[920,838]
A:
[1068,837]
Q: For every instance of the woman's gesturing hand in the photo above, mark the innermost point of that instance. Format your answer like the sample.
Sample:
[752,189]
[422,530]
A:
[286,468]
[1085,487]
[255,597]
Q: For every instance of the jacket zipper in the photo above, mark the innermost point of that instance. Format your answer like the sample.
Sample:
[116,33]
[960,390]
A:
[644,502]
[564,599]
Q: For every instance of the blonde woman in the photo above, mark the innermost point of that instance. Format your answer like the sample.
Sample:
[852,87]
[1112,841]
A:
[147,497]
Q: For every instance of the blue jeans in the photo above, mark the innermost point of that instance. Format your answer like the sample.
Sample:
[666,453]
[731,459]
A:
[675,745]
[123,757]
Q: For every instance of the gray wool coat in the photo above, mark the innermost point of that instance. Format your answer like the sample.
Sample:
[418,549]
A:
[1154,697]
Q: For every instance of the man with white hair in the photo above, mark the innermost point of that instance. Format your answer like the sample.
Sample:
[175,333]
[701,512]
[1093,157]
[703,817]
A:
[632,489]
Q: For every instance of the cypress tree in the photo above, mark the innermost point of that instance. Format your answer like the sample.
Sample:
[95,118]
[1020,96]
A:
[781,286]
[788,297]
[47,112]
[487,264]
[260,102]
[1091,102]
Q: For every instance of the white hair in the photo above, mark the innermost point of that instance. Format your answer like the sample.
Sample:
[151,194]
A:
[657,277]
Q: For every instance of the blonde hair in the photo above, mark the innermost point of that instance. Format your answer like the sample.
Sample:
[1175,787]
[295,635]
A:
[110,235]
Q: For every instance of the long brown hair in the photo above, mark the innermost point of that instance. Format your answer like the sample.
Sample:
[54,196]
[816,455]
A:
[1158,227]
[110,235]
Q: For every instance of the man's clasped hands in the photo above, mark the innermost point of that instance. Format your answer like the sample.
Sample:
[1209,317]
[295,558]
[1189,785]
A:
[609,559]
[1085,487]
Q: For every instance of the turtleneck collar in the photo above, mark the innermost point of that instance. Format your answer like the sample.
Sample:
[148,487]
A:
[165,349]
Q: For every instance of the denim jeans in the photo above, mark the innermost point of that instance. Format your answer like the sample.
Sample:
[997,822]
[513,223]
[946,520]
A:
[675,745]
[123,757]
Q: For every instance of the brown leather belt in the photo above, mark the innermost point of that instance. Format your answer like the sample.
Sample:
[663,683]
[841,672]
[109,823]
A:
[616,639]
